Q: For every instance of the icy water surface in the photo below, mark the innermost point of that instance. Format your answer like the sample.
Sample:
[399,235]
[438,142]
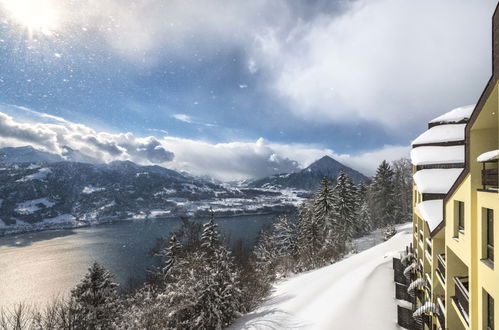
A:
[36,267]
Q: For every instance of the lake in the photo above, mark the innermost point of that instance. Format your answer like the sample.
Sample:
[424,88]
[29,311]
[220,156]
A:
[37,267]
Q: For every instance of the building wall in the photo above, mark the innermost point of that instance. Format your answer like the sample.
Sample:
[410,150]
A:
[488,275]
[458,249]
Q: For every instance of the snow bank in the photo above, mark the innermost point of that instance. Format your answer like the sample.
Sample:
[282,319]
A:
[437,155]
[487,156]
[442,133]
[355,293]
[63,218]
[436,181]
[455,115]
[91,189]
[34,205]
[432,212]
[40,175]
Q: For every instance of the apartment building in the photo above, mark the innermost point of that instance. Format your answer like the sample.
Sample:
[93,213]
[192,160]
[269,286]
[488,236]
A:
[448,272]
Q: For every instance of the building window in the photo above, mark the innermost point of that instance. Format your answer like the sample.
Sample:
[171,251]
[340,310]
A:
[490,312]
[490,234]
[459,216]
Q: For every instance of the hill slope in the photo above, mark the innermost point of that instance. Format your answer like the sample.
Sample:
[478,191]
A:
[50,194]
[310,177]
[27,154]
[355,293]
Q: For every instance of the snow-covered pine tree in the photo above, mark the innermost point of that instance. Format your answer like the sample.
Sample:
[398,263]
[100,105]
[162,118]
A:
[220,300]
[345,207]
[285,236]
[264,250]
[403,189]
[324,208]
[382,196]
[203,291]
[95,299]
[310,237]
[277,246]
[171,254]
[209,238]
[363,214]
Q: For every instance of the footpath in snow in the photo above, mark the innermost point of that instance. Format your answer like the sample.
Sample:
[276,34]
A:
[355,293]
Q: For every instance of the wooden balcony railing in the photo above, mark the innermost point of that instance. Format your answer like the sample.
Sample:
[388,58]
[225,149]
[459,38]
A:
[441,266]
[462,296]
[490,177]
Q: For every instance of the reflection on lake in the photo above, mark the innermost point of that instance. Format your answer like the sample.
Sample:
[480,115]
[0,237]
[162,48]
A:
[36,267]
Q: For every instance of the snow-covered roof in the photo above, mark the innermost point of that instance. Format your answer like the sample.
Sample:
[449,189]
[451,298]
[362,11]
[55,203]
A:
[436,180]
[455,115]
[441,133]
[432,212]
[487,156]
[437,155]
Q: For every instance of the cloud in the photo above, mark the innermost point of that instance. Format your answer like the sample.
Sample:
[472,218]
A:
[182,117]
[147,28]
[225,161]
[388,61]
[364,162]
[243,160]
[228,161]
[62,135]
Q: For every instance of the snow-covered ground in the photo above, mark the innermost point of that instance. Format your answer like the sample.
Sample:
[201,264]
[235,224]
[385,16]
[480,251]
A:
[355,293]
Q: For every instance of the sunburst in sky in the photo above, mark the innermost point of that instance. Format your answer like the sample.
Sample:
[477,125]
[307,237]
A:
[35,16]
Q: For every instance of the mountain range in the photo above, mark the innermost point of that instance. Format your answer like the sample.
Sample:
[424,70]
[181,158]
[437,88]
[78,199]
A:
[309,178]
[39,188]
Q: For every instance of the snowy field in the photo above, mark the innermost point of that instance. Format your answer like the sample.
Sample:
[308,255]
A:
[355,293]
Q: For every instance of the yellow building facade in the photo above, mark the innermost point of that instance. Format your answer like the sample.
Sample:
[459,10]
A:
[452,281]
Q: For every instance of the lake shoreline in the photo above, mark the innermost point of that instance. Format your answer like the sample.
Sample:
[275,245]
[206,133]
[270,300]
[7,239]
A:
[6,232]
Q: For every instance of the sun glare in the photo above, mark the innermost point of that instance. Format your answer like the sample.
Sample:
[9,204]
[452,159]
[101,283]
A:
[37,16]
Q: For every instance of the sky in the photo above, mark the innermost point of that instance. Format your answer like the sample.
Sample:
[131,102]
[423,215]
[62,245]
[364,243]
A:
[236,89]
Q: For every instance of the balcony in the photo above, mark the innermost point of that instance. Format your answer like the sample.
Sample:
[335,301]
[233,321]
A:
[490,171]
[428,247]
[462,296]
[441,266]
[441,311]
[490,177]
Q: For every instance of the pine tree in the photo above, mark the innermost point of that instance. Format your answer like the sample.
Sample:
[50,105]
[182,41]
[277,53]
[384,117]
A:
[345,207]
[403,189]
[171,255]
[95,299]
[209,238]
[324,212]
[309,237]
[277,246]
[382,196]
[285,236]
[363,223]
[220,300]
